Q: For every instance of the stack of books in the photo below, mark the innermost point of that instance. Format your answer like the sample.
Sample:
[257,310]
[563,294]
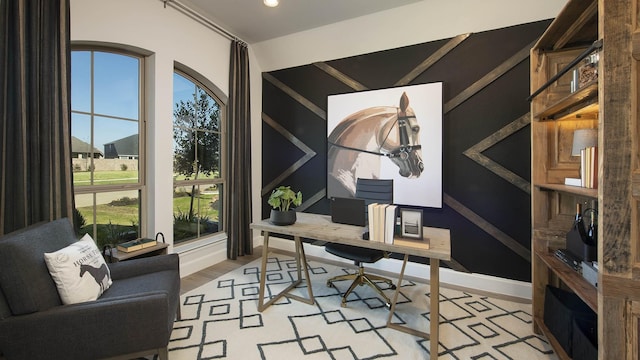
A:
[588,169]
[382,222]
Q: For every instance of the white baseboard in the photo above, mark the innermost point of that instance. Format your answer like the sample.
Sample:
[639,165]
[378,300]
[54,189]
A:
[472,281]
[194,260]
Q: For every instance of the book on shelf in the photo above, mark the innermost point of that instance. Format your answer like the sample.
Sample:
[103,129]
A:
[135,245]
[589,167]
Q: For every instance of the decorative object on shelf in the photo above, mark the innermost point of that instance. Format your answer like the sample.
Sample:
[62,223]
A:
[588,70]
[411,223]
[281,200]
[575,79]
[578,242]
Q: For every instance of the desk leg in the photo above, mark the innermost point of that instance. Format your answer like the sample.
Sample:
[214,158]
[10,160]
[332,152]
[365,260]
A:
[300,259]
[434,321]
[434,283]
[263,271]
[399,327]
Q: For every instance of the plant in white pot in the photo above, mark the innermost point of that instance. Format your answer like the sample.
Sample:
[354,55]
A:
[281,200]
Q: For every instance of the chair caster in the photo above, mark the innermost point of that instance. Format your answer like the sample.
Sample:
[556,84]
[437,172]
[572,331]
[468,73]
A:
[343,304]
[392,287]
[330,284]
[387,305]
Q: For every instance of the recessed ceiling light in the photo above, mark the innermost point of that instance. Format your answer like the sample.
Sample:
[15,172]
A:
[271,3]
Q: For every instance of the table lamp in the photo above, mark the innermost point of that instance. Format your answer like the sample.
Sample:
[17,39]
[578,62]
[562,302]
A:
[582,139]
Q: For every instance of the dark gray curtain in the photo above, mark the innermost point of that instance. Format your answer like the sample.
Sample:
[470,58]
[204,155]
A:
[239,150]
[35,141]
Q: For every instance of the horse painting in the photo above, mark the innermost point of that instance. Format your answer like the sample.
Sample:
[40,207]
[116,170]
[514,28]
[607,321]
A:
[359,142]
[100,275]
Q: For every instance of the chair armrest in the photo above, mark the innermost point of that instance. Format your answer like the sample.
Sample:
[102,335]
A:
[137,267]
[94,329]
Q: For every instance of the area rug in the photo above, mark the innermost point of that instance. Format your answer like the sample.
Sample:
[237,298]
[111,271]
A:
[220,320]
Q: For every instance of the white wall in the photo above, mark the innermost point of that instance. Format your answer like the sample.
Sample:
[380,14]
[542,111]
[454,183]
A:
[424,21]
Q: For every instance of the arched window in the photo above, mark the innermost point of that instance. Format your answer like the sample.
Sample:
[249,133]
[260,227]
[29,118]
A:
[107,129]
[198,160]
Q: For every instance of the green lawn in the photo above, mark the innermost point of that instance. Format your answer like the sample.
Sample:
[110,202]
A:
[114,222]
[121,177]
[105,177]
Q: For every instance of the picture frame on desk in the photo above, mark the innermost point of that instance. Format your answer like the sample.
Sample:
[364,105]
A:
[410,223]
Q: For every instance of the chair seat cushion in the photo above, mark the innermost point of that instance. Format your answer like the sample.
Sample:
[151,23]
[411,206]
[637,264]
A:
[354,253]
[165,281]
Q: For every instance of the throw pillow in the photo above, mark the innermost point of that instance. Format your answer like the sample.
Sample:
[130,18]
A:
[79,271]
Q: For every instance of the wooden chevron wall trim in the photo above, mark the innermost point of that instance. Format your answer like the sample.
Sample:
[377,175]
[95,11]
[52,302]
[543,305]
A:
[486,138]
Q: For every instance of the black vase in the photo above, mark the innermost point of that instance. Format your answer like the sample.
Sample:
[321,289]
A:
[282,218]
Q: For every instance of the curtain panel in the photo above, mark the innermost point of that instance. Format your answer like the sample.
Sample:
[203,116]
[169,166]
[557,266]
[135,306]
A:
[35,141]
[239,240]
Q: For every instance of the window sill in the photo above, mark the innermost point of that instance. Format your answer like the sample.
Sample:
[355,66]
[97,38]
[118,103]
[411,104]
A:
[194,245]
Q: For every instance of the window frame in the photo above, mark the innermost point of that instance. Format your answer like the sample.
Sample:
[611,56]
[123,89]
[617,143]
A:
[214,92]
[141,184]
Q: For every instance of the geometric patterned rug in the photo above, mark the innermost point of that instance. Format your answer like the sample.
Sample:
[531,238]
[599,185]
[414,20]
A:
[220,320]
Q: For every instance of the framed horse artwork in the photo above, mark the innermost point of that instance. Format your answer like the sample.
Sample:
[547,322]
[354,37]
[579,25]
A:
[393,133]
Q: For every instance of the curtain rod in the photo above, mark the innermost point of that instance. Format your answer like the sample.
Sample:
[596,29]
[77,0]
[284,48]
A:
[201,19]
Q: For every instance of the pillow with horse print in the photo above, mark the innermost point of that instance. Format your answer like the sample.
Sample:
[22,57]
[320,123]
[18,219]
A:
[79,271]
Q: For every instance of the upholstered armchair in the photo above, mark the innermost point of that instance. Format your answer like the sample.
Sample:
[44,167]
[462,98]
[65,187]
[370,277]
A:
[131,318]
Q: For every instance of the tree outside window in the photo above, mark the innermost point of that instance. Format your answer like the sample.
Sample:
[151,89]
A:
[198,184]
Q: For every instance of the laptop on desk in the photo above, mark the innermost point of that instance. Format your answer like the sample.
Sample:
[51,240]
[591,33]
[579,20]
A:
[350,211]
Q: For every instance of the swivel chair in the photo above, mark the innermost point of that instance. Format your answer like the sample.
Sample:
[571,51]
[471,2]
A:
[371,191]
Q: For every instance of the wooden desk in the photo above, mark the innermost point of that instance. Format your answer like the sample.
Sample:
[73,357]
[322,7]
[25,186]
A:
[320,227]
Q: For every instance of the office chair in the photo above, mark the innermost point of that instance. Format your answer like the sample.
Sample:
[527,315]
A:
[371,191]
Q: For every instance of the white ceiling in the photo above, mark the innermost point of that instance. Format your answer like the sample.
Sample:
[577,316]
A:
[251,21]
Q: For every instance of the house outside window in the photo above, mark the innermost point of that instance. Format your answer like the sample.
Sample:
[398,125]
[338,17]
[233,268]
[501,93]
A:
[198,160]
[107,129]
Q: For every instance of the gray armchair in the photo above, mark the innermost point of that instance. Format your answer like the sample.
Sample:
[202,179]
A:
[133,318]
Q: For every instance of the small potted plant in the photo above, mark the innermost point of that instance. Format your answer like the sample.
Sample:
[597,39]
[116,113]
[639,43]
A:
[281,200]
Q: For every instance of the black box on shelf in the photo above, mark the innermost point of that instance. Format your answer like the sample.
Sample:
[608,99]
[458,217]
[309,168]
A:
[560,309]
[585,339]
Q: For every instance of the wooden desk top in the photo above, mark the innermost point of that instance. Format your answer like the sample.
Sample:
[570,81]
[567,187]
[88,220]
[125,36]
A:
[436,243]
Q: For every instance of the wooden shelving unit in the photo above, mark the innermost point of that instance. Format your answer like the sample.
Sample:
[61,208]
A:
[608,104]
[556,113]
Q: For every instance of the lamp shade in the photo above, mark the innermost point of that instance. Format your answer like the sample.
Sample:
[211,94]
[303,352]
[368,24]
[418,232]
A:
[583,138]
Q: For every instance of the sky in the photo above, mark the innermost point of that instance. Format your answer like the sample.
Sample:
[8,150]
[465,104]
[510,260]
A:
[116,96]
